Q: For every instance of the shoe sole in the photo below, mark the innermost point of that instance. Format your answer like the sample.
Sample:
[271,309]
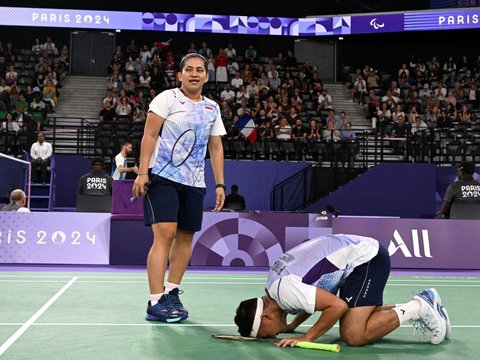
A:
[149,317]
[444,313]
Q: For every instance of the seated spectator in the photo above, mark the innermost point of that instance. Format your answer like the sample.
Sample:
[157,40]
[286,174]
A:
[18,201]
[283,131]
[144,80]
[49,48]
[464,115]
[291,61]
[40,155]
[50,95]
[37,105]
[324,100]
[232,67]
[205,50]
[11,76]
[444,121]
[139,115]
[451,80]
[123,109]
[418,126]
[227,95]
[230,51]
[37,47]
[250,54]
[383,119]
[234,200]
[347,133]
[97,182]
[359,89]
[107,114]
[237,81]
[246,74]
[330,133]
[111,97]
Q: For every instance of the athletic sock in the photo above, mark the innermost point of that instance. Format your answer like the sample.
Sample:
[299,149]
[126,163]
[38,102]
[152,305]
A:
[408,311]
[170,286]
[154,298]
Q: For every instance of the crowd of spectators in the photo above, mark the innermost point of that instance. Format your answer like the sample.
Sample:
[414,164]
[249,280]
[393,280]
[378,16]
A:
[30,80]
[291,110]
[440,94]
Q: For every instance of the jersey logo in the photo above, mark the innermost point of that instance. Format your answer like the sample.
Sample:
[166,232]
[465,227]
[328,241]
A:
[182,102]
[349,298]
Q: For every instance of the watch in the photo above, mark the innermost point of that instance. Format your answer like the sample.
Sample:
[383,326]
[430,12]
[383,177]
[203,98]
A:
[221,186]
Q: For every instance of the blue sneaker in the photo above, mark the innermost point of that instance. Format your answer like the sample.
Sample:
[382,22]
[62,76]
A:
[431,316]
[164,311]
[174,299]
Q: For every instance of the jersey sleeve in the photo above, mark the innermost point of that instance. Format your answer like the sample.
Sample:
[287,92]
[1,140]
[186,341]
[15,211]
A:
[119,161]
[160,104]
[292,295]
[218,129]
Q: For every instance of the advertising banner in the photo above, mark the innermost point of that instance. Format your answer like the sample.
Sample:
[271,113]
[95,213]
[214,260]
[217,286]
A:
[54,238]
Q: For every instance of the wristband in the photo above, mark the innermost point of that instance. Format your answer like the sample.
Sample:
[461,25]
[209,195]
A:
[142,173]
[221,186]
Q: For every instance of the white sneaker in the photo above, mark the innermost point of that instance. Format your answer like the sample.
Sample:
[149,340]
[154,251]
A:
[444,314]
[430,315]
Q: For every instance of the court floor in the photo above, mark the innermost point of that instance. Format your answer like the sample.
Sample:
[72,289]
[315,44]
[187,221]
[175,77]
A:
[99,315]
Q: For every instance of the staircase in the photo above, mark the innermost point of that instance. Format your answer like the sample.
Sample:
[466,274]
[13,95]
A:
[341,101]
[81,97]
[78,107]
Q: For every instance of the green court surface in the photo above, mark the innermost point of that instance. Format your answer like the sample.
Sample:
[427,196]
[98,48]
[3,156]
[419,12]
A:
[99,315]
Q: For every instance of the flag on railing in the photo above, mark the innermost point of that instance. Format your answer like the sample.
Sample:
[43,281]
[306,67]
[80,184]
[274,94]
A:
[247,127]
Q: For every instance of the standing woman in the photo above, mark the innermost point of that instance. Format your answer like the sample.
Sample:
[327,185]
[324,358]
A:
[173,204]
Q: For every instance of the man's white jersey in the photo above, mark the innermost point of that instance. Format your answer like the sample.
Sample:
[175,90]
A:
[323,262]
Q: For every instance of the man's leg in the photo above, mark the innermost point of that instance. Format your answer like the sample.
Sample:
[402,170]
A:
[34,165]
[366,324]
[43,170]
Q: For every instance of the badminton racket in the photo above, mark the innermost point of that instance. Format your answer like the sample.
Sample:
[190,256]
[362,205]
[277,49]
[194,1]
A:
[181,151]
[300,344]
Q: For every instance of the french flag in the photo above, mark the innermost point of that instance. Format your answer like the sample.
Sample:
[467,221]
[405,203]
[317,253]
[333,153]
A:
[247,127]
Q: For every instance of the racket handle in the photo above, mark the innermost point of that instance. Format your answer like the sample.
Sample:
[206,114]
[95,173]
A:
[133,199]
[318,346]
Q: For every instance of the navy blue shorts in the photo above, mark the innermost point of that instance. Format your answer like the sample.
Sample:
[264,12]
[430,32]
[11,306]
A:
[169,201]
[365,285]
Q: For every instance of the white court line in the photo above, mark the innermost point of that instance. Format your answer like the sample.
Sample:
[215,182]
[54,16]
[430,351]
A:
[4,347]
[144,277]
[120,281]
[183,325]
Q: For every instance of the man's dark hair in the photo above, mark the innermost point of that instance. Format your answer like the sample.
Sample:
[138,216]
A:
[191,56]
[125,142]
[468,167]
[234,188]
[96,161]
[244,316]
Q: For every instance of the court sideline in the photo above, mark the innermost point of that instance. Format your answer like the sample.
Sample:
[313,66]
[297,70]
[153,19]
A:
[99,315]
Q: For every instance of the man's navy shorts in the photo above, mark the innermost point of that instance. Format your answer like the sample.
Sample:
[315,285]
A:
[365,285]
[169,201]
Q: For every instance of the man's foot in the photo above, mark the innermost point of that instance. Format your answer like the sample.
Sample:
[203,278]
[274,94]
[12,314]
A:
[164,311]
[444,314]
[430,315]
[174,299]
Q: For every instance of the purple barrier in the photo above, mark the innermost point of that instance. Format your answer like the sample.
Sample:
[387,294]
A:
[226,239]
[54,238]
[121,195]
[420,244]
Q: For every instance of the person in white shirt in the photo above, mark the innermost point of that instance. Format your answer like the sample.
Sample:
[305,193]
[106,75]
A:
[18,201]
[119,167]
[40,154]
[307,279]
[237,81]
[227,94]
